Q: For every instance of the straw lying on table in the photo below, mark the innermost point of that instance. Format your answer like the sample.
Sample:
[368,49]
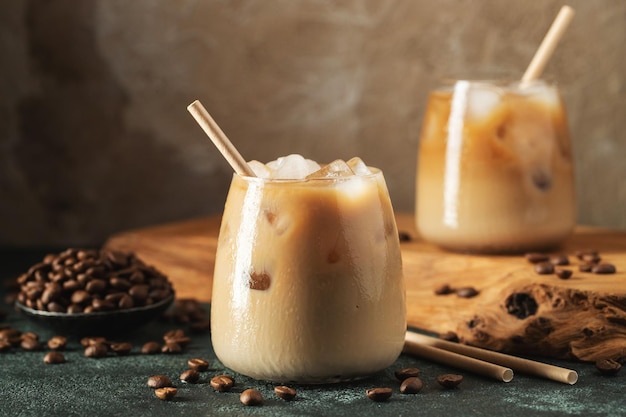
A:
[481,361]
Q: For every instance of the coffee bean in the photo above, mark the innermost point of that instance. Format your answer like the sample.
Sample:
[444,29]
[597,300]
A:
[544,268]
[166,393]
[96,286]
[585,267]
[198,364]
[80,297]
[251,397]
[139,292]
[588,255]
[559,260]
[125,302]
[171,347]
[608,366]
[122,348]
[57,342]
[150,348]
[52,293]
[102,305]
[174,334]
[74,309]
[190,375]
[222,383]
[54,358]
[89,341]
[563,273]
[379,394]
[405,373]
[449,381]
[411,385]
[443,289]
[159,381]
[30,343]
[285,392]
[98,350]
[55,307]
[603,269]
[535,257]
[466,292]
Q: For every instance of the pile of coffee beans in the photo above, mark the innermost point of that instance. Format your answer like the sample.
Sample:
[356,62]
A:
[90,280]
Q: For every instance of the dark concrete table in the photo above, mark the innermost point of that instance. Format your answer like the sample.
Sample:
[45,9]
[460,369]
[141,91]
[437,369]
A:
[116,385]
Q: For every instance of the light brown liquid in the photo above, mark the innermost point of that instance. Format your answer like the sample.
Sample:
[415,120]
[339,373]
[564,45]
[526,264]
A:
[499,180]
[324,257]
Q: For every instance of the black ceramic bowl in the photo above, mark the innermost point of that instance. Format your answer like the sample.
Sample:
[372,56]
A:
[98,323]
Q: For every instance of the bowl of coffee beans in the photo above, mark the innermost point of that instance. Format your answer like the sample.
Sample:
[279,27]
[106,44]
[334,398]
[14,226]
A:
[93,291]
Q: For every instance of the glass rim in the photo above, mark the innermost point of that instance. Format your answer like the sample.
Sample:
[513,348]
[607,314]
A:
[325,180]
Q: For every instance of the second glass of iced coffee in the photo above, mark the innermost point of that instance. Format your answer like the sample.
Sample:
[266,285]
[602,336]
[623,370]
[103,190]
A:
[495,171]
[308,284]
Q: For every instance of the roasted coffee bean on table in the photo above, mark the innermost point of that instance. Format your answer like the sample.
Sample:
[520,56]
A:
[603,269]
[151,348]
[405,373]
[559,260]
[159,381]
[166,393]
[89,280]
[285,392]
[198,364]
[536,257]
[449,381]
[379,394]
[57,342]
[54,357]
[222,383]
[121,348]
[544,268]
[411,385]
[190,375]
[251,397]
[96,350]
[563,273]
[608,366]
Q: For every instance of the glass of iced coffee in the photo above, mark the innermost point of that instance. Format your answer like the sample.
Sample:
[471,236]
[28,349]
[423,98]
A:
[308,284]
[495,171]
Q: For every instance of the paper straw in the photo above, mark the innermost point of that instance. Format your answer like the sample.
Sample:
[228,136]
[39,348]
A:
[219,139]
[526,366]
[413,347]
[545,50]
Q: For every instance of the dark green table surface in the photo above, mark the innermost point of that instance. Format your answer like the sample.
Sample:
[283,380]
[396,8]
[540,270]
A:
[116,385]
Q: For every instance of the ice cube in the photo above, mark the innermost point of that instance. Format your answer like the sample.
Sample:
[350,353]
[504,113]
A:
[357,166]
[260,169]
[292,166]
[482,99]
[336,169]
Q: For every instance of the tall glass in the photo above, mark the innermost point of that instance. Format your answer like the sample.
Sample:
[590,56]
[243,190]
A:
[308,284]
[495,171]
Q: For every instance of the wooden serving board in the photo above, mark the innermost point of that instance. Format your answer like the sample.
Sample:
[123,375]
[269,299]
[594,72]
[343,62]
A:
[516,310]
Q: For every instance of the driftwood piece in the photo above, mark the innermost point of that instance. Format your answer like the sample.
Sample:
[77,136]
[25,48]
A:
[547,320]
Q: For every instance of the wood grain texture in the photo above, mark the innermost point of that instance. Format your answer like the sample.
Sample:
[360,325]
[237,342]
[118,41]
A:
[583,317]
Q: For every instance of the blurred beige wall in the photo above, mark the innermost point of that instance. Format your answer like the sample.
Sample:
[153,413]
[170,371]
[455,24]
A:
[95,137]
